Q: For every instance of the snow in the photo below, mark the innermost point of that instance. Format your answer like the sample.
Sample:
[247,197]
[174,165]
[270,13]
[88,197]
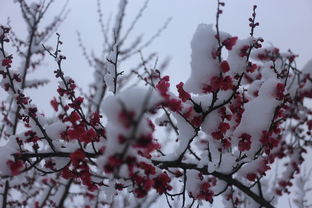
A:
[186,133]
[227,164]
[258,115]
[109,191]
[203,66]
[192,182]
[55,129]
[136,100]
[307,69]
[6,152]
[211,122]
[236,62]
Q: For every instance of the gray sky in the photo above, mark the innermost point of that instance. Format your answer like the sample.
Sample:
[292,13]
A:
[286,24]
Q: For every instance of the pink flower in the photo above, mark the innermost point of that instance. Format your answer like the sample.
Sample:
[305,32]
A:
[54,104]
[6,62]
[245,142]
[163,86]
[244,51]
[76,103]
[230,42]
[223,127]
[174,105]
[225,67]
[15,166]
[88,136]
[162,183]
[126,118]
[183,95]
[251,176]
[280,88]
[77,156]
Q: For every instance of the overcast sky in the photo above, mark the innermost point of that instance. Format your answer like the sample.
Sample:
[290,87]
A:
[286,24]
